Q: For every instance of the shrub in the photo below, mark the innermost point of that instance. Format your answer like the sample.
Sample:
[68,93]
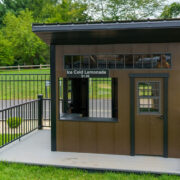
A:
[14,122]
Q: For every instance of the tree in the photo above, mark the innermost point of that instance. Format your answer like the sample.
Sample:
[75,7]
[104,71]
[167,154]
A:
[16,6]
[6,52]
[125,9]
[26,47]
[171,11]
[66,11]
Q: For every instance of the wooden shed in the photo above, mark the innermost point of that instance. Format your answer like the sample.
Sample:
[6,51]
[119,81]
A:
[115,86]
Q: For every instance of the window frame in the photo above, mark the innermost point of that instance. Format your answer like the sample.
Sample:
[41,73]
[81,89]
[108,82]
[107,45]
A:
[157,97]
[116,54]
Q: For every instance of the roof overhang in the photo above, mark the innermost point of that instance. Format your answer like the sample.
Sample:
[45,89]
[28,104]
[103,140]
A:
[157,31]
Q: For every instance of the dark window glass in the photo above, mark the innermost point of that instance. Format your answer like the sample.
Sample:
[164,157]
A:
[120,62]
[68,62]
[93,61]
[85,62]
[137,61]
[147,61]
[129,61]
[168,60]
[156,61]
[101,60]
[111,61]
[167,63]
[76,62]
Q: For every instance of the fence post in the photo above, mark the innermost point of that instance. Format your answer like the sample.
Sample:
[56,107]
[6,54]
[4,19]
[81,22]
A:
[40,110]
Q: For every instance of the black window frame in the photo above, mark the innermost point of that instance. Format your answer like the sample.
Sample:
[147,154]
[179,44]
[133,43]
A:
[134,66]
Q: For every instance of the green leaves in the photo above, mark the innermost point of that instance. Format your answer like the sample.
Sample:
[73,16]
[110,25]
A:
[25,46]
[127,9]
[171,11]
[18,45]
[6,53]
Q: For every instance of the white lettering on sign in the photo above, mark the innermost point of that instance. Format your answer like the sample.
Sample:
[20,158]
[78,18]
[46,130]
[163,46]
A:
[87,73]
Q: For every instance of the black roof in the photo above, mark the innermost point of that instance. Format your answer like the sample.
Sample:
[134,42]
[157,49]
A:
[142,31]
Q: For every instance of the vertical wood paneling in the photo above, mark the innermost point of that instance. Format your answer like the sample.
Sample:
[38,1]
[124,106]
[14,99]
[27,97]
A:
[105,138]
[115,137]
[87,134]
[71,136]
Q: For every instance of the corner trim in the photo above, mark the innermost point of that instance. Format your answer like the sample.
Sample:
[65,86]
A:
[53,96]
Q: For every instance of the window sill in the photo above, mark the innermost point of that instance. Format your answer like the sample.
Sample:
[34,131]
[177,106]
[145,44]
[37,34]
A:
[70,117]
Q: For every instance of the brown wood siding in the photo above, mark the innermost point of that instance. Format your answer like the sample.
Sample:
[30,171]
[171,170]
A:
[110,137]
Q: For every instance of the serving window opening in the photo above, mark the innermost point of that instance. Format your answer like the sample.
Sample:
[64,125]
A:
[88,99]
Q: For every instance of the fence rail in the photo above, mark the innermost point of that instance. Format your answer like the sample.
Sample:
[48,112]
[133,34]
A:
[19,67]
[17,121]
[17,89]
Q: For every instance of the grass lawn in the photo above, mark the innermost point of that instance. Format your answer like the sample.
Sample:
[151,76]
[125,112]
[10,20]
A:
[27,86]
[25,172]
[26,71]
[14,86]
[7,138]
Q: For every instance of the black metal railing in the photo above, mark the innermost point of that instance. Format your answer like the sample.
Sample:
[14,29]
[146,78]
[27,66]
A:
[17,89]
[100,97]
[19,120]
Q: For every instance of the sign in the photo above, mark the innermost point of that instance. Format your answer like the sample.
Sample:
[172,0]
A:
[87,73]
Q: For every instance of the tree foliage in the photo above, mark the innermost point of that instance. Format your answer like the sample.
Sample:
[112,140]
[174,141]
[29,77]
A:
[16,6]
[66,11]
[6,52]
[26,47]
[125,9]
[171,11]
[18,45]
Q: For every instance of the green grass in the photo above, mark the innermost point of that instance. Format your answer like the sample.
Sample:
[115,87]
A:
[29,86]
[145,90]
[100,89]
[24,172]
[23,87]
[7,138]
[26,71]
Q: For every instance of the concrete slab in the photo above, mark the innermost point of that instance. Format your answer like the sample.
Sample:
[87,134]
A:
[35,149]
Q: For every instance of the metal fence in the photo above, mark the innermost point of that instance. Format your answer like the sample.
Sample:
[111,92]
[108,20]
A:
[18,120]
[19,67]
[100,97]
[17,89]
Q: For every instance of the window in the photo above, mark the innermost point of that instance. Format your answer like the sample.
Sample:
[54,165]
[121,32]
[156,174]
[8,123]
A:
[88,99]
[85,62]
[118,61]
[100,97]
[138,61]
[68,62]
[76,62]
[128,61]
[148,97]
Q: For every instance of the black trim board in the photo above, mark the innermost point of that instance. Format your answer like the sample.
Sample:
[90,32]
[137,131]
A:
[165,84]
[132,110]
[53,96]
[106,26]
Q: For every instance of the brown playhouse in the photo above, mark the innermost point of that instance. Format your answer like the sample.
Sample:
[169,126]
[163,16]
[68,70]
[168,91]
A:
[115,87]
